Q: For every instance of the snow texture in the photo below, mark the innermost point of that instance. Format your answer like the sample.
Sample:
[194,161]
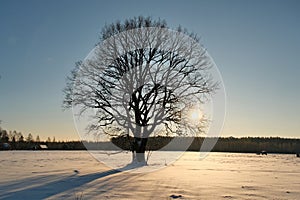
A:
[77,175]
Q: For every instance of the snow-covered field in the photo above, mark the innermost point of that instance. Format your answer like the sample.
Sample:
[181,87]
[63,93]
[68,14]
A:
[77,175]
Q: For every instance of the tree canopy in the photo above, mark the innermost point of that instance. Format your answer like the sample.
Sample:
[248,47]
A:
[142,78]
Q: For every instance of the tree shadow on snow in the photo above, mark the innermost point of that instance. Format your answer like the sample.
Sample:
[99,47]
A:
[47,186]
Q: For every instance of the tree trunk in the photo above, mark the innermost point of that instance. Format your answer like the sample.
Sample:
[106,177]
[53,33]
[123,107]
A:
[138,150]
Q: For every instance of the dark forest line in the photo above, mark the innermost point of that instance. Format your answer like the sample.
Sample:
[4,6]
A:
[224,144]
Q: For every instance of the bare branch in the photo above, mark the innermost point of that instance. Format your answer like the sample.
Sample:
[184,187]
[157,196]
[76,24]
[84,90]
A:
[141,76]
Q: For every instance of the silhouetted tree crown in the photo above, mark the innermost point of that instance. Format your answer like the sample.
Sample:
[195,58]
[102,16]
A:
[141,76]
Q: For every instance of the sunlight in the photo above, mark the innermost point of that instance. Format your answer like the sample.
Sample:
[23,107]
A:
[195,115]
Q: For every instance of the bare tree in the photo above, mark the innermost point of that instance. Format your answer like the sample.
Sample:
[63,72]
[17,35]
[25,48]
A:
[29,138]
[37,138]
[142,79]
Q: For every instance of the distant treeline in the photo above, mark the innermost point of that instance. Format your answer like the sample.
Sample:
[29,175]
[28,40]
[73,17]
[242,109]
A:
[14,140]
[228,144]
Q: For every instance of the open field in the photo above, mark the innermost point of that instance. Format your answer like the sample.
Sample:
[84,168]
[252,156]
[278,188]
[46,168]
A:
[77,175]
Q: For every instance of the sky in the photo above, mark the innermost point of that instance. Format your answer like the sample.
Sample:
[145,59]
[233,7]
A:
[255,45]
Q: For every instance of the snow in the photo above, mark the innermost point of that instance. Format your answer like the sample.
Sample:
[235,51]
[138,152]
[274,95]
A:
[78,175]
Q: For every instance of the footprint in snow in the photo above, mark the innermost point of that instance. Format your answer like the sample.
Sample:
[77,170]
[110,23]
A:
[173,196]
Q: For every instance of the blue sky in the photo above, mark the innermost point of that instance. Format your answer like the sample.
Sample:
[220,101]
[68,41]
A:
[255,44]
